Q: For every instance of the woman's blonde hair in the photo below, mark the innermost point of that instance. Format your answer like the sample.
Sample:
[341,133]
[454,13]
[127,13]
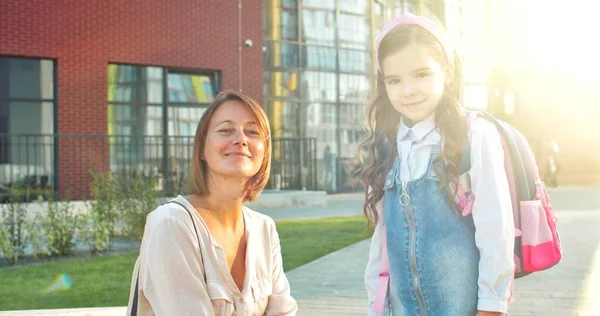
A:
[198,170]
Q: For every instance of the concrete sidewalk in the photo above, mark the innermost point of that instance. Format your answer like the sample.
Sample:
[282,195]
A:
[333,285]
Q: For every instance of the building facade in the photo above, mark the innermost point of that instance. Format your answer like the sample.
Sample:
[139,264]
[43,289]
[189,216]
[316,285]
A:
[318,70]
[91,86]
[137,75]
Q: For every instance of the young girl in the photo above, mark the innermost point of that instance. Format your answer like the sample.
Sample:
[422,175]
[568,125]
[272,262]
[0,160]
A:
[441,261]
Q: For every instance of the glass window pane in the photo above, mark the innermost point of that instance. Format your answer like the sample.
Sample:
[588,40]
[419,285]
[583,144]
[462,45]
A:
[289,55]
[354,88]
[351,119]
[354,6]
[27,159]
[322,4]
[134,84]
[4,112]
[379,10]
[290,3]
[403,7]
[354,60]
[30,118]
[318,86]
[26,78]
[126,73]
[289,25]
[280,54]
[318,27]
[280,84]
[190,88]
[283,118]
[320,123]
[319,57]
[354,31]
[184,120]
[134,120]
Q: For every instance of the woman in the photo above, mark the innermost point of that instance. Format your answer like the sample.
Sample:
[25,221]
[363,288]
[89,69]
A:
[206,253]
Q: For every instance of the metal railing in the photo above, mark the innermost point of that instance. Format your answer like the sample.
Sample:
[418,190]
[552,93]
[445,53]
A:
[63,163]
[294,164]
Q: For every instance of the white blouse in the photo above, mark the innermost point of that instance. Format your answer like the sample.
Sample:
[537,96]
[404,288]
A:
[179,277]
[492,209]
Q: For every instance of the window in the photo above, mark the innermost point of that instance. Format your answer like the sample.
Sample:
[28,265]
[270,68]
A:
[26,119]
[280,54]
[318,27]
[353,88]
[139,97]
[289,25]
[319,86]
[353,60]
[26,96]
[136,100]
[189,94]
[319,57]
[327,4]
[354,6]
[354,31]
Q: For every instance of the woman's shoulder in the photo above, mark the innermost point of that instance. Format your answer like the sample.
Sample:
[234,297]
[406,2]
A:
[260,220]
[167,212]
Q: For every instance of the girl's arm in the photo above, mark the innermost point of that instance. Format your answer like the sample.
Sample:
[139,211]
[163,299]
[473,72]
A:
[374,263]
[493,218]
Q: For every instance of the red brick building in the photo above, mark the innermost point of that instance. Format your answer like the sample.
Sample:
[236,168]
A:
[130,68]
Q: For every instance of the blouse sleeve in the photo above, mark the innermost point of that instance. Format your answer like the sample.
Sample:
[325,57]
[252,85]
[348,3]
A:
[171,271]
[281,301]
[493,218]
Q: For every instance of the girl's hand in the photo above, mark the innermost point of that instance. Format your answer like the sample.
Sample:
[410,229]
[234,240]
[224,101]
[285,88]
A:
[484,313]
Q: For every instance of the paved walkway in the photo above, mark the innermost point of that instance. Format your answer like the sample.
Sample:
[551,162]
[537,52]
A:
[333,285]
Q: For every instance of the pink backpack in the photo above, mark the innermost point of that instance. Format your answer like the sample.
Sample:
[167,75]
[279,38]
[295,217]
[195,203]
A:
[537,243]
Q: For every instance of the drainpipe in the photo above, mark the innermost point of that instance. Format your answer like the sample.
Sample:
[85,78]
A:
[240,45]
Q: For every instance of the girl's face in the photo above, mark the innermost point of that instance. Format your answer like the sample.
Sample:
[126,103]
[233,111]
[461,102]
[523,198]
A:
[414,81]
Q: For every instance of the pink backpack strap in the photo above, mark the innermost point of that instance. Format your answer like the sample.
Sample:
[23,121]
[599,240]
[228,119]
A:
[384,274]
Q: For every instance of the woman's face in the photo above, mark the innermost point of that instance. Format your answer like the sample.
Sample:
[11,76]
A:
[235,144]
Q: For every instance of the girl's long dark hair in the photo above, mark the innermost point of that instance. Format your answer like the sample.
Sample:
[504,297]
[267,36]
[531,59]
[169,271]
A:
[378,149]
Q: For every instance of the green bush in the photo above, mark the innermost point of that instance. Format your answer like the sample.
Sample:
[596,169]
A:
[138,200]
[13,226]
[58,225]
[98,223]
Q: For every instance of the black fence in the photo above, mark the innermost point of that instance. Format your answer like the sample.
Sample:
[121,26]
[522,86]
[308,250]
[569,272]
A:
[294,164]
[63,163]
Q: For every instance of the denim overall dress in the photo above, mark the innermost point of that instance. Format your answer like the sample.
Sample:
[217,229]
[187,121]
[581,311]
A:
[433,258]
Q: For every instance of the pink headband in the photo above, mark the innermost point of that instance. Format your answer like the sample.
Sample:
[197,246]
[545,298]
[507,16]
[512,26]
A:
[410,19]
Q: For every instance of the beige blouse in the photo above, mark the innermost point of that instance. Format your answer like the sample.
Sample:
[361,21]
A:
[175,278]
